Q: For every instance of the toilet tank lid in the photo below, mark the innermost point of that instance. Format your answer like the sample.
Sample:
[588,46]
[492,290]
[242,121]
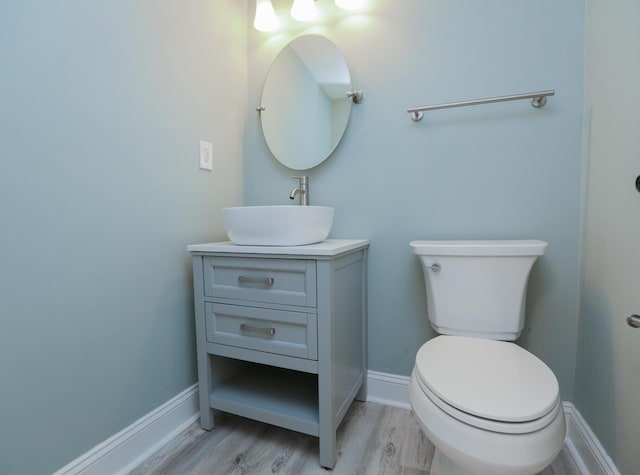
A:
[524,247]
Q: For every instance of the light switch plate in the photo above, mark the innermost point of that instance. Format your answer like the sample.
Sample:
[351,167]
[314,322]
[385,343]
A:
[206,155]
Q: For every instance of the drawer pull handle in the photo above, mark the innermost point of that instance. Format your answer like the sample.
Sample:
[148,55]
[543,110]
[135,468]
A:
[267,331]
[256,280]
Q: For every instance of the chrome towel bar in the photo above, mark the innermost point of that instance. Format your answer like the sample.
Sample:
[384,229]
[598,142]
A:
[538,99]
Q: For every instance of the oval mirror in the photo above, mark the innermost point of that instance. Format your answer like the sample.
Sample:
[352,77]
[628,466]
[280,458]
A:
[305,109]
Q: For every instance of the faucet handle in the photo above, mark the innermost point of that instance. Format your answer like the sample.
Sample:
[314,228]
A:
[304,180]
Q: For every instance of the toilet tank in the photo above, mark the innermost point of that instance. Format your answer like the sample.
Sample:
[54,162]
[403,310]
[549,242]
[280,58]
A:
[477,288]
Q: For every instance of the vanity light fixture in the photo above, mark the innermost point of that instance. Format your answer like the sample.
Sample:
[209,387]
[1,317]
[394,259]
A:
[266,18]
[301,10]
[304,10]
[349,4]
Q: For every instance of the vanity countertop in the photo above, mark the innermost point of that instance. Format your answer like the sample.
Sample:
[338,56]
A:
[329,247]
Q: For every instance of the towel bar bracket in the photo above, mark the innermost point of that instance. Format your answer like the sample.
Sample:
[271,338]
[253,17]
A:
[538,101]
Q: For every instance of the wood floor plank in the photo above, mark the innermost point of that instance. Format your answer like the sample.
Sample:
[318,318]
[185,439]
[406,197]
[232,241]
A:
[360,419]
[285,447]
[184,452]
[305,458]
[352,436]
[418,452]
[239,453]
[383,452]
[414,471]
[372,440]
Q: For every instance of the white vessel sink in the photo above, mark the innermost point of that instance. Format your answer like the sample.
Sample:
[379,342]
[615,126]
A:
[277,225]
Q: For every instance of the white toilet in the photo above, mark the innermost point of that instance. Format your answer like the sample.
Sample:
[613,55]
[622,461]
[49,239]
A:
[489,406]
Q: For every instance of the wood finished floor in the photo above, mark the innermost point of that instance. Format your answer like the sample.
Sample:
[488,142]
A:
[372,440]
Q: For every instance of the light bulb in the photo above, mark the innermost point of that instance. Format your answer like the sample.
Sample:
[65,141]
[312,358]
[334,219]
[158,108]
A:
[349,4]
[266,18]
[304,10]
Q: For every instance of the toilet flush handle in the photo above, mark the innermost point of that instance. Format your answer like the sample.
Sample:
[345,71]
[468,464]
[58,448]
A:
[434,267]
[633,321]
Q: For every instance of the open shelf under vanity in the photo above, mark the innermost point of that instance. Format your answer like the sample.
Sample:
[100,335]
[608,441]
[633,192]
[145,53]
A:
[277,396]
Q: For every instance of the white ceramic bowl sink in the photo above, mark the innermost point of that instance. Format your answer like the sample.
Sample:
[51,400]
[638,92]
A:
[277,225]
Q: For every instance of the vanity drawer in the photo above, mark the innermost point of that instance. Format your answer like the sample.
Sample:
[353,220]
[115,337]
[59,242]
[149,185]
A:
[273,331]
[282,281]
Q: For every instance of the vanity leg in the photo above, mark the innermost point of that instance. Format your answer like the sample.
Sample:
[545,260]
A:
[326,361]
[204,376]
[326,423]
[327,449]
[204,360]
[361,395]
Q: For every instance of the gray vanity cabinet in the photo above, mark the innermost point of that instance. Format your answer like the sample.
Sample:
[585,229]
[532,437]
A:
[281,334]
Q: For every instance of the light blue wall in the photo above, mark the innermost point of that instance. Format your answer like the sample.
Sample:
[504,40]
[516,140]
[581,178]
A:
[102,106]
[496,171]
[607,370]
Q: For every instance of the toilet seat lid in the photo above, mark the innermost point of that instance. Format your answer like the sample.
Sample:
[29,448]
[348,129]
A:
[493,380]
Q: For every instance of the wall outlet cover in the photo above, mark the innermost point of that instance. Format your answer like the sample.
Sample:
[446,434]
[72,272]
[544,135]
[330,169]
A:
[206,155]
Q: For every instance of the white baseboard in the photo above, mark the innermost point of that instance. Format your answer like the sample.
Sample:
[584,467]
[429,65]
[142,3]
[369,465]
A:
[584,446]
[134,444]
[131,446]
[388,389]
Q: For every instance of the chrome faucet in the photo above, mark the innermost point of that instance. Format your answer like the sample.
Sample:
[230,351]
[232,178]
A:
[302,190]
